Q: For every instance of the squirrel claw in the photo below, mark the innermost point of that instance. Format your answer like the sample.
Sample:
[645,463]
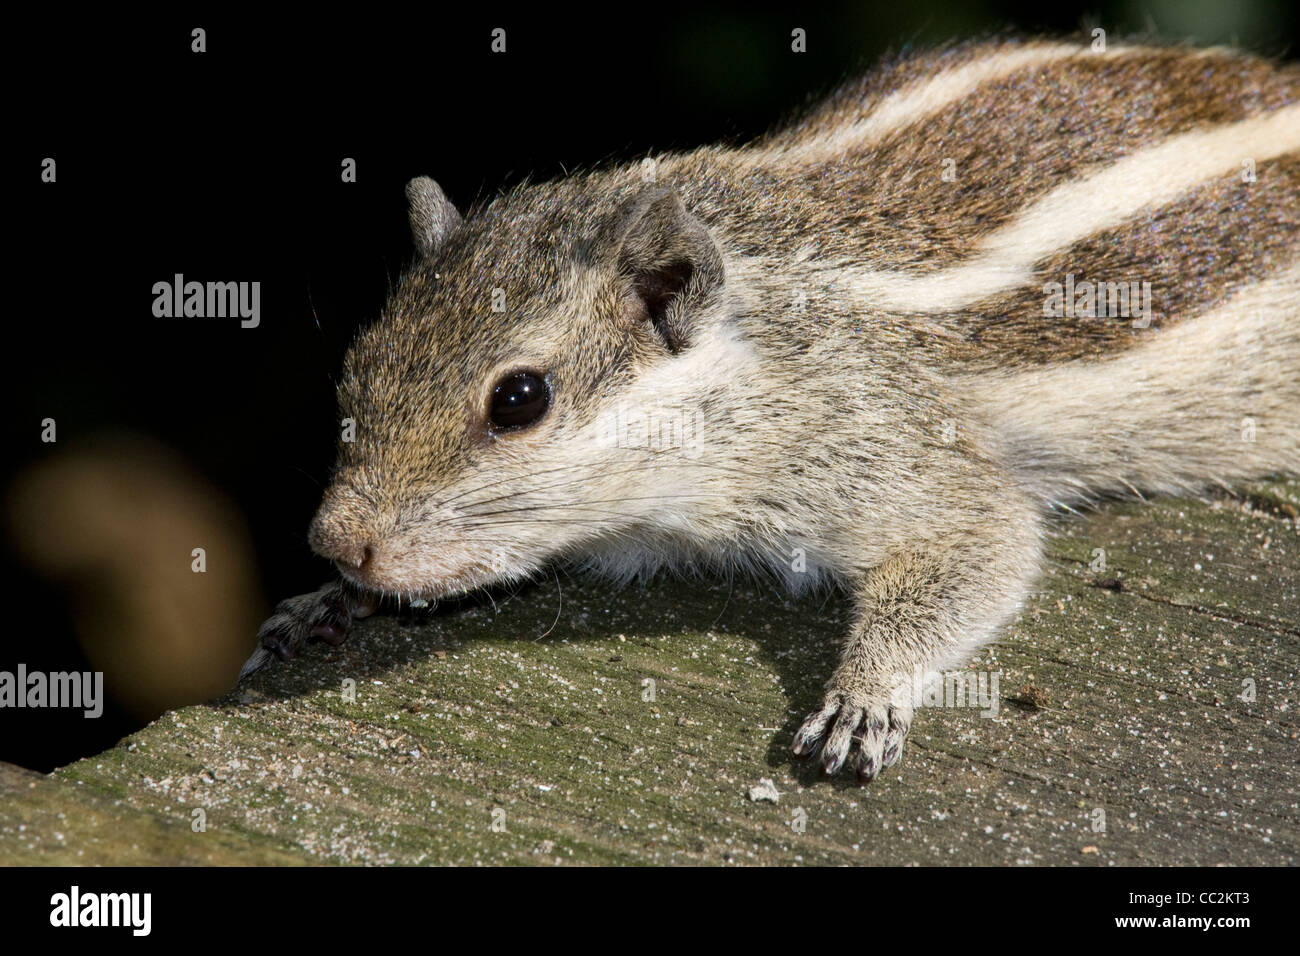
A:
[866,735]
[324,615]
[254,663]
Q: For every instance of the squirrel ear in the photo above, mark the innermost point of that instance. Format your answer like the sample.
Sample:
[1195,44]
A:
[433,217]
[669,257]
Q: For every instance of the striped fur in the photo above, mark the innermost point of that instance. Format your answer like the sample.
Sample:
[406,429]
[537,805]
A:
[1065,160]
[849,318]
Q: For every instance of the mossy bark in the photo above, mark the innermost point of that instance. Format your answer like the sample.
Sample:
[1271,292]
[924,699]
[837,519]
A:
[1147,715]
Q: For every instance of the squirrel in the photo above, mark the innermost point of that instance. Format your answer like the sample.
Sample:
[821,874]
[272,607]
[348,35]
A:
[893,337]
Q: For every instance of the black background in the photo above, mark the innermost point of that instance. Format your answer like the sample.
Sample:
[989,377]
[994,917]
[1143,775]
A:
[226,165]
[976,909]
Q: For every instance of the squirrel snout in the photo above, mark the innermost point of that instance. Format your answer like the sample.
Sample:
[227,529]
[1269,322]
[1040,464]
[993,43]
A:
[340,541]
[355,556]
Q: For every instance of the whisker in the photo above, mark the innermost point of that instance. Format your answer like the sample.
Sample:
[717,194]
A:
[550,487]
[644,466]
[560,591]
[731,585]
[534,474]
[584,504]
[505,521]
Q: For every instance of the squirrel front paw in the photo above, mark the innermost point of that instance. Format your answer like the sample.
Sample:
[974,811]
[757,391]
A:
[865,733]
[324,615]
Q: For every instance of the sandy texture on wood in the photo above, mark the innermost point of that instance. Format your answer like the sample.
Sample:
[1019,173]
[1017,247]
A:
[473,739]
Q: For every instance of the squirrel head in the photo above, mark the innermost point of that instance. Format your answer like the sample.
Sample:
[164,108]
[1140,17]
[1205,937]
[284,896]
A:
[536,383]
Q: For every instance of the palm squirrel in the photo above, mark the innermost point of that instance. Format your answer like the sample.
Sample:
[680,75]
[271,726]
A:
[876,348]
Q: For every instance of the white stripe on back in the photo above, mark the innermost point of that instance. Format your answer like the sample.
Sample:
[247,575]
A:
[1075,210]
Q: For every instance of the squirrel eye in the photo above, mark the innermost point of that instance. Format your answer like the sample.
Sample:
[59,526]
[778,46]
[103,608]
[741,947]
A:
[519,399]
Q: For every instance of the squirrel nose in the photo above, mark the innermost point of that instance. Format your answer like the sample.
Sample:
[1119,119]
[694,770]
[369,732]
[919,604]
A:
[355,556]
[340,541]
[355,553]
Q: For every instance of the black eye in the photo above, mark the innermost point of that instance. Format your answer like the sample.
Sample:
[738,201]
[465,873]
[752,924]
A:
[519,399]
